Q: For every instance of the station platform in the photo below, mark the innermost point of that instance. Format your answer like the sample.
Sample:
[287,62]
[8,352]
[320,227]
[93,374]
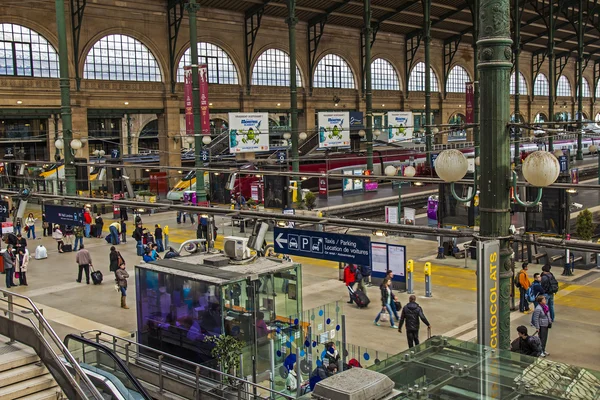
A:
[73,307]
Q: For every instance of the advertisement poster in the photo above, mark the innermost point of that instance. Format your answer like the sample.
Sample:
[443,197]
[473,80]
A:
[204,111]
[470,100]
[323,186]
[397,260]
[7,227]
[187,100]
[379,261]
[391,214]
[399,126]
[334,129]
[248,132]
[410,214]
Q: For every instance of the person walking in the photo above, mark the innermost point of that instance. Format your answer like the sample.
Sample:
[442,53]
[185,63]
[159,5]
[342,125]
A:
[412,313]
[395,303]
[123,231]
[542,321]
[21,266]
[122,276]
[522,282]
[550,286]
[350,278]
[18,225]
[87,222]
[9,266]
[158,237]
[79,232]
[115,230]
[58,236]
[386,300]
[83,258]
[30,223]
[99,225]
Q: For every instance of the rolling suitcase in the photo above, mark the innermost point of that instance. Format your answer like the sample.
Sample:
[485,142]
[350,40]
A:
[359,297]
[67,248]
[96,276]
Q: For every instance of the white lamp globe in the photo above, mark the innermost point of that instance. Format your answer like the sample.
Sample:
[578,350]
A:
[410,171]
[302,136]
[540,168]
[84,140]
[558,153]
[59,144]
[102,153]
[377,132]
[189,139]
[593,149]
[287,136]
[206,139]
[97,153]
[477,161]
[451,165]
[76,144]
[435,131]
[361,133]
[390,170]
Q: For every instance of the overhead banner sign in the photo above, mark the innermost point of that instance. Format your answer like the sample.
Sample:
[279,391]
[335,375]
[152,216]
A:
[63,215]
[188,101]
[349,249]
[470,103]
[334,129]
[204,110]
[488,275]
[399,126]
[248,132]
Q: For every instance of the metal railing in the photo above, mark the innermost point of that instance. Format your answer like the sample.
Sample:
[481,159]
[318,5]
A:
[55,355]
[179,376]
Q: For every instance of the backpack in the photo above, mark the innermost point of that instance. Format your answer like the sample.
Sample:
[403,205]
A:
[517,281]
[551,283]
[365,270]
[535,344]
[529,294]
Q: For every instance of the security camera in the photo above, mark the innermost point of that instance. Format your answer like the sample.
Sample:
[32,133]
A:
[512,229]
[577,205]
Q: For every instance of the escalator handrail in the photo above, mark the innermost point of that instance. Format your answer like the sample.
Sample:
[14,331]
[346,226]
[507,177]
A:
[42,327]
[113,357]
[162,354]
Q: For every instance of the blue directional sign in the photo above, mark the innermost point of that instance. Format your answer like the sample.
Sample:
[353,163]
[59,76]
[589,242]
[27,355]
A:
[4,209]
[349,249]
[564,163]
[281,157]
[64,215]
[204,155]
[433,158]
[114,153]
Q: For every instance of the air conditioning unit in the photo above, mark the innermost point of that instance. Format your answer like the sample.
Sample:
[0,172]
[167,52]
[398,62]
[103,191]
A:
[236,247]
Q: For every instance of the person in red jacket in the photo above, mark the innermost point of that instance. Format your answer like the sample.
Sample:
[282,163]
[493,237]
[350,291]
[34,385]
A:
[350,278]
[87,220]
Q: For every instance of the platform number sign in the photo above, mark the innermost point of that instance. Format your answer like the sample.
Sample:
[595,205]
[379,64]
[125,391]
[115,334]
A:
[433,158]
[204,155]
[281,157]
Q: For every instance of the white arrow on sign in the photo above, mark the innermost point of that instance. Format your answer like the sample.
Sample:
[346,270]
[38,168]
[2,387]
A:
[280,242]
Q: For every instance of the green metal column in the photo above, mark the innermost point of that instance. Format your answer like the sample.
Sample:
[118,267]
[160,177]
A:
[292,21]
[129,139]
[494,44]
[552,74]
[65,97]
[192,8]
[476,79]
[368,90]
[517,53]
[427,40]
[580,83]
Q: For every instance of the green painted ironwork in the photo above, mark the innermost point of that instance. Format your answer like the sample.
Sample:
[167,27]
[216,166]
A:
[77,12]
[494,53]
[292,21]
[427,41]
[175,13]
[368,87]
[65,97]
[192,8]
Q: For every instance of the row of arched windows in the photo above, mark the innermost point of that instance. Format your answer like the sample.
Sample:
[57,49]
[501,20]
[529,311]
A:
[24,52]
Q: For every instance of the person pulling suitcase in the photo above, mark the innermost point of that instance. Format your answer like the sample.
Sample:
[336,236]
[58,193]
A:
[84,261]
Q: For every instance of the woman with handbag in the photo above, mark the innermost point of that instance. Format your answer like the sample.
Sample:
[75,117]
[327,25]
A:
[58,236]
[30,225]
[386,304]
[115,259]
[121,280]
[21,268]
[542,322]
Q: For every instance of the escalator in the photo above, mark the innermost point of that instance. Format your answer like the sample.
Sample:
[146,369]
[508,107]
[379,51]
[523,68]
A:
[107,372]
[219,145]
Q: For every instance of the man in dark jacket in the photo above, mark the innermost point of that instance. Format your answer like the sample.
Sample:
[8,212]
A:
[412,313]
[550,286]
[320,373]
[528,345]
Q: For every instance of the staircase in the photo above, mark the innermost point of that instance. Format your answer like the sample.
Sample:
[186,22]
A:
[23,376]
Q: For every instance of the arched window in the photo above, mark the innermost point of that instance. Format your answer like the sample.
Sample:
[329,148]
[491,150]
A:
[586,89]
[384,76]
[416,81]
[333,72]
[597,118]
[121,58]
[541,86]
[563,88]
[456,80]
[540,117]
[148,140]
[522,84]
[221,69]
[273,69]
[24,52]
